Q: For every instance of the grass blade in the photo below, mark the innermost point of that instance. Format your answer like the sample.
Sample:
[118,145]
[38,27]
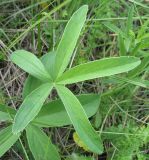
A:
[129,26]
[121,45]
[137,82]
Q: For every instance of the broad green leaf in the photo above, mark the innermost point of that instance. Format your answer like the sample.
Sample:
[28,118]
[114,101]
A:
[69,39]
[40,144]
[53,114]
[31,107]
[79,120]
[6,113]
[31,82]
[31,64]
[7,139]
[99,68]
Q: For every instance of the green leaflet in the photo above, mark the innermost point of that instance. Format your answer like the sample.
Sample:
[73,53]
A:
[6,113]
[99,68]
[31,64]
[114,28]
[30,107]
[53,114]
[7,139]
[31,82]
[79,120]
[40,144]
[48,62]
[69,39]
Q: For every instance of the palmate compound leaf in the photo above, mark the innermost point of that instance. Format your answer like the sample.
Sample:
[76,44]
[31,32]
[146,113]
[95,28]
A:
[31,107]
[64,51]
[7,139]
[31,64]
[53,114]
[99,68]
[69,39]
[79,120]
[40,144]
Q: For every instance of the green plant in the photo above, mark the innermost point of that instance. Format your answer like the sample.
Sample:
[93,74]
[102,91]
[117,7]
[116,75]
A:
[52,114]
[132,43]
[128,141]
[48,73]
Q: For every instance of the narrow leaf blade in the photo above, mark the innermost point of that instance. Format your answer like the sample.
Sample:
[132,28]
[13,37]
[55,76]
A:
[99,68]
[113,28]
[31,64]
[40,144]
[53,114]
[79,120]
[121,45]
[130,20]
[69,39]
[31,107]
[134,81]
[7,139]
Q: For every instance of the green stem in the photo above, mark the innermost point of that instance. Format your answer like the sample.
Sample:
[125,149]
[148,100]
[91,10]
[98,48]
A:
[39,46]
[23,149]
